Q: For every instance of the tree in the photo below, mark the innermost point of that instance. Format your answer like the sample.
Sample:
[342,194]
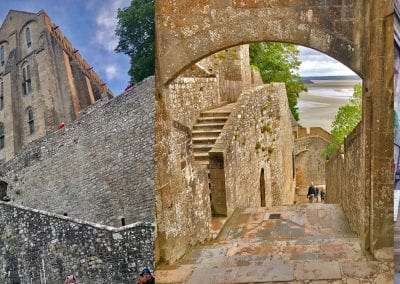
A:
[278,62]
[136,37]
[346,119]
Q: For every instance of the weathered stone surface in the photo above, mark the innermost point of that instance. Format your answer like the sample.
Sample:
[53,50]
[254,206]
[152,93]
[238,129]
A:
[35,245]
[296,249]
[210,26]
[314,271]
[357,33]
[100,168]
[309,150]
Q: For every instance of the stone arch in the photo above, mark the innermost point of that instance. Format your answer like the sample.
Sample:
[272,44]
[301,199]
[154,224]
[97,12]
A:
[310,26]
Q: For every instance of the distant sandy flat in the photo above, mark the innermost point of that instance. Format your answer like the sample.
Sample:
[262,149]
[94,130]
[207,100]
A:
[318,107]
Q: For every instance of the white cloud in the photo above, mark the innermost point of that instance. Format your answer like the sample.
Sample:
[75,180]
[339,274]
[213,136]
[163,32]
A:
[315,63]
[106,21]
[111,72]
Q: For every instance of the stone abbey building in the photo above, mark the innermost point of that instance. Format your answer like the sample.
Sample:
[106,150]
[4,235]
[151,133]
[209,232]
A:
[44,81]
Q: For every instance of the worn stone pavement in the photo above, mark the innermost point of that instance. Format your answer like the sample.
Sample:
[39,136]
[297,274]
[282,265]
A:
[309,243]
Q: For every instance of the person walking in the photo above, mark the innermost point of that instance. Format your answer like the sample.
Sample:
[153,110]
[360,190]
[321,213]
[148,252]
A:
[311,192]
[322,195]
[316,194]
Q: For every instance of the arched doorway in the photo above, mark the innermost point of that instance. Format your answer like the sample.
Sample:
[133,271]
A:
[262,188]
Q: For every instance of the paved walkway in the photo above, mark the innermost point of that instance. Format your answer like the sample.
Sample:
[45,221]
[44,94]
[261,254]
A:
[306,243]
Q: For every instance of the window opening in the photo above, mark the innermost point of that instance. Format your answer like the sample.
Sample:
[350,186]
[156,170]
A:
[2,137]
[1,95]
[2,55]
[28,37]
[31,122]
[26,80]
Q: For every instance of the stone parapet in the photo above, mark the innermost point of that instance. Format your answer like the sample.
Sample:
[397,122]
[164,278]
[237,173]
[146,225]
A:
[38,247]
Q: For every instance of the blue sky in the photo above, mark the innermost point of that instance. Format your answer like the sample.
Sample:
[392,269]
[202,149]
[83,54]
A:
[90,26]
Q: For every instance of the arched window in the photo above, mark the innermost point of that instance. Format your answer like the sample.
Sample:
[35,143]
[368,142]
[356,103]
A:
[31,122]
[2,55]
[26,80]
[2,143]
[28,37]
[1,95]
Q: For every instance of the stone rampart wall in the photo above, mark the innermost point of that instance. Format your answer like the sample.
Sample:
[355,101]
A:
[38,247]
[182,195]
[310,160]
[345,183]
[189,96]
[100,168]
[314,131]
[253,140]
[334,182]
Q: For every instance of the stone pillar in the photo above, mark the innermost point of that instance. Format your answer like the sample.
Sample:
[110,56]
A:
[378,122]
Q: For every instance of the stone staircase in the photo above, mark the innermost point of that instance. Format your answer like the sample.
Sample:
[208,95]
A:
[306,243]
[206,131]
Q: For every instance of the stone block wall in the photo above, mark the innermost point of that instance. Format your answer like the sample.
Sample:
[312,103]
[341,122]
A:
[100,168]
[182,195]
[38,247]
[252,143]
[334,183]
[310,160]
[183,201]
[345,183]
[232,68]
[189,96]
[313,131]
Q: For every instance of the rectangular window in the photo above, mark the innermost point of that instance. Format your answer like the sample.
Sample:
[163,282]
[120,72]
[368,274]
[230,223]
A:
[28,37]
[2,55]
[24,81]
[28,79]
[1,96]
[2,137]
[31,122]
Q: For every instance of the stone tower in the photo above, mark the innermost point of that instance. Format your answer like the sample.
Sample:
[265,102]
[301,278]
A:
[44,81]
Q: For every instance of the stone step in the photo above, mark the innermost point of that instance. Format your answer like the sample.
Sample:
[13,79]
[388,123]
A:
[204,140]
[284,272]
[201,156]
[215,114]
[200,148]
[208,126]
[206,133]
[213,119]
[202,162]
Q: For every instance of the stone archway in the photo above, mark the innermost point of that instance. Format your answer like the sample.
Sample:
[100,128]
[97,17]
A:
[331,27]
[354,32]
